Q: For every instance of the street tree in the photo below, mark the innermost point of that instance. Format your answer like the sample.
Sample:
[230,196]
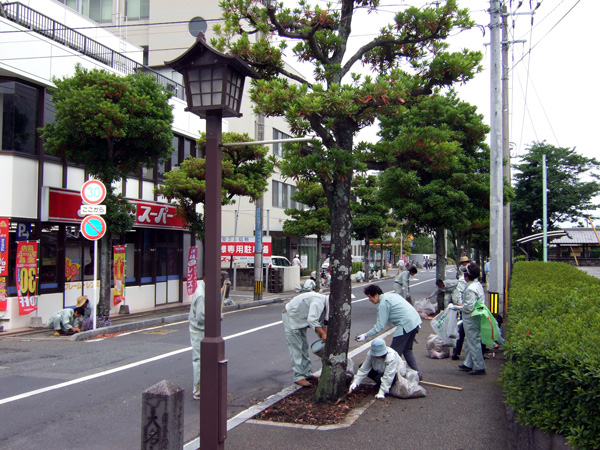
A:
[572,182]
[245,173]
[407,58]
[113,126]
[313,218]
[438,174]
[368,213]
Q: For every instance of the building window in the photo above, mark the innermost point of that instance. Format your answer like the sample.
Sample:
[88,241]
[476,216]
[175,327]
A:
[137,9]
[98,10]
[18,117]
[282,196]
[278,147]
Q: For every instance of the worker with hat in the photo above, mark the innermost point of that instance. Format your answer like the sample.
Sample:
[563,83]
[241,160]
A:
[82,302]
[381,365]
[62,321]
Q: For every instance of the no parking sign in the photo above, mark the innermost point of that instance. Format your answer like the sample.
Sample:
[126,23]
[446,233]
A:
[93,227]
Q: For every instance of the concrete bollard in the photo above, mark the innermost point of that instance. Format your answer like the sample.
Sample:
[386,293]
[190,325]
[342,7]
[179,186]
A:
[162,417]
[35,322]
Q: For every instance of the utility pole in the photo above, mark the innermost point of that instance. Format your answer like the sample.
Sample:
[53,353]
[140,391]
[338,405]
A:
[506,152]
[496,285]
[545,208]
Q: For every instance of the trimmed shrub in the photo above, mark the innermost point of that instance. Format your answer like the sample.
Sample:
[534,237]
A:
[552,375]
[356,266]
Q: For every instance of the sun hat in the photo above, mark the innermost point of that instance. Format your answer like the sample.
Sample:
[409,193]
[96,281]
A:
[378,347]
[464,259]
[81,301]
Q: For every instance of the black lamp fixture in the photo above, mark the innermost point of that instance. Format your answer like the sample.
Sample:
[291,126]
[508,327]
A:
[213,80]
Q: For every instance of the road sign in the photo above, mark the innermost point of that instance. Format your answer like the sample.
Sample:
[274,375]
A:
[86,210]
[93,192]
[93,227]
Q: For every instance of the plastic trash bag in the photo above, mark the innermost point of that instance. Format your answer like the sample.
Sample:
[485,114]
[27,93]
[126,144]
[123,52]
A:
[408,386]
[426,307]
[445,325]
[436,349]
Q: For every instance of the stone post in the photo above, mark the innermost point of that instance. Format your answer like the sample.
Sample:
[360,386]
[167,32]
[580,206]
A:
[162,417]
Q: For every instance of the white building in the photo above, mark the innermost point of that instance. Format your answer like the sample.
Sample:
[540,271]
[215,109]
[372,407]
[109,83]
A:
[42,39]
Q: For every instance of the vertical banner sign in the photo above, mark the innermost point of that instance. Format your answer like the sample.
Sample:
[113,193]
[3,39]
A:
[27,276]
[119,257]
[192,270]
[4,228]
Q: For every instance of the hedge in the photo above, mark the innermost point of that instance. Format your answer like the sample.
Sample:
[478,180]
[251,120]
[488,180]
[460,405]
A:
[552,375]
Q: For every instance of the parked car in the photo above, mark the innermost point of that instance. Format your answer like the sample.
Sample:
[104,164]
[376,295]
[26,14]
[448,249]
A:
[279,261]
[276,262]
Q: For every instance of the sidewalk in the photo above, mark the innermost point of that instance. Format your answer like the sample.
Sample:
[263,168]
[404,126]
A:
[472,418]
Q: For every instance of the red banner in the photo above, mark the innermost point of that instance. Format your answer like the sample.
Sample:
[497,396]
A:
[4,227]
[27,276]
[192,270]
[119,273]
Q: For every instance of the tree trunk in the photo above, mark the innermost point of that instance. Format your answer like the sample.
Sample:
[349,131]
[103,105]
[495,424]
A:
[104,264]
[366,262]
[332,384]
[440,256]
[440,253]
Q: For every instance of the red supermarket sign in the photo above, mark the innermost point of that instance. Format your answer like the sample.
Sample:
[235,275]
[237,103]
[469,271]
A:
[63,205]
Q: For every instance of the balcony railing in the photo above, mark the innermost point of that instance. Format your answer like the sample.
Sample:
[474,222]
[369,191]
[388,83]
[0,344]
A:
[50,28]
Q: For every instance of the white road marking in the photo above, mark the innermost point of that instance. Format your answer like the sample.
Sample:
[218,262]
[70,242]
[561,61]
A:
[122,368]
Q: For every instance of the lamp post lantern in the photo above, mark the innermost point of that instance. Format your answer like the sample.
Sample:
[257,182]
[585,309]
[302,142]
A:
[214,85]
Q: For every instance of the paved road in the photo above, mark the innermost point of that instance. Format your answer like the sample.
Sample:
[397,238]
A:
[50,387]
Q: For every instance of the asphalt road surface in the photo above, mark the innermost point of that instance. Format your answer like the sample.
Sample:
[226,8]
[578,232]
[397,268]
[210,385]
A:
[57,394]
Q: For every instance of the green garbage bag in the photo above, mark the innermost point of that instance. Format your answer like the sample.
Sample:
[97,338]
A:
[490,333]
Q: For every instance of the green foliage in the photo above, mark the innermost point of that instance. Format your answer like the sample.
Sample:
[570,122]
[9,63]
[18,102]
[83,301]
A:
[245,172]
[314,219]
[356,266]
[112,125]
[552,375]
[368,213]
[120,214]
[423,244]
[439,174]
[569,198]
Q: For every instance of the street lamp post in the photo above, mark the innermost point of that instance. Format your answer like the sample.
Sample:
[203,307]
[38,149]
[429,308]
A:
[214,85]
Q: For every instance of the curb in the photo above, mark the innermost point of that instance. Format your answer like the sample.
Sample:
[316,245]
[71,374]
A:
[163,320]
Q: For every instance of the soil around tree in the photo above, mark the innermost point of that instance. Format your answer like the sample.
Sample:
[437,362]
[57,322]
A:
[300,407]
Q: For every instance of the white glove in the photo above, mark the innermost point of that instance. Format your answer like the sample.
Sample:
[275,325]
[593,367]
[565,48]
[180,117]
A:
[361,337]
[452,306]
[380,396]
[352,387]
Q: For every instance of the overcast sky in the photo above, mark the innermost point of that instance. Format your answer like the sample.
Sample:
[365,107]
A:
[552,96]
